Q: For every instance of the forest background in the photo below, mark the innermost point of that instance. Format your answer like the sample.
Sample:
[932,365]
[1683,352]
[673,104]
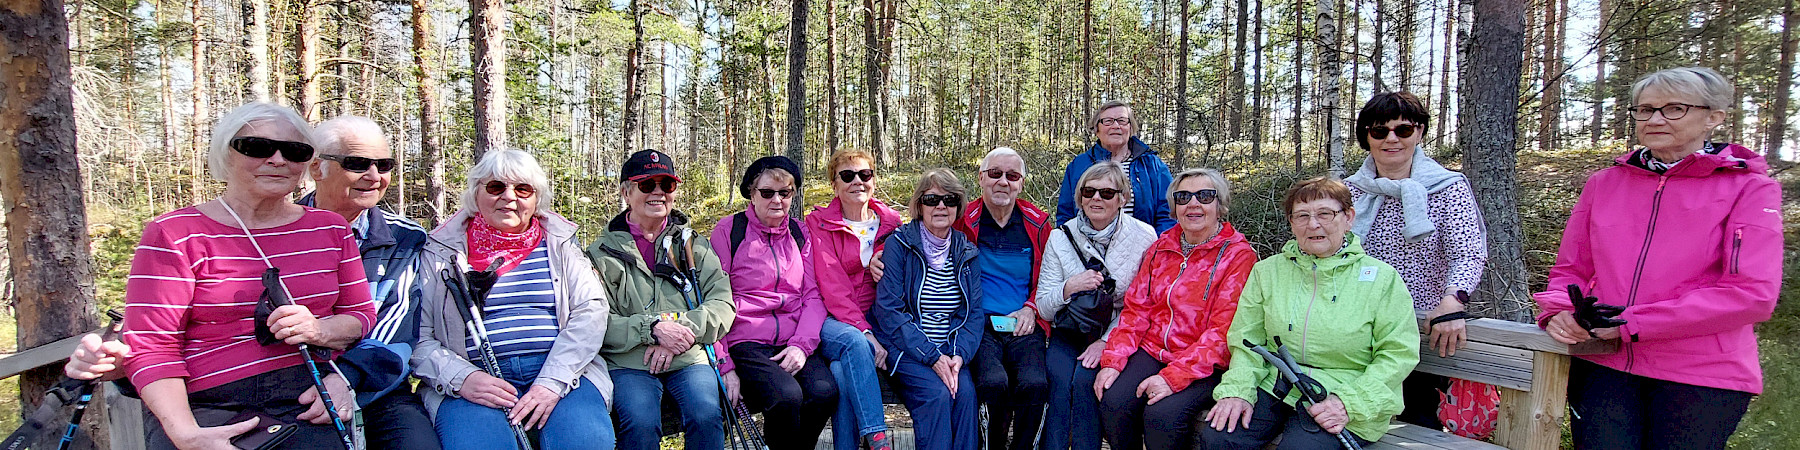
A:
[1527,97]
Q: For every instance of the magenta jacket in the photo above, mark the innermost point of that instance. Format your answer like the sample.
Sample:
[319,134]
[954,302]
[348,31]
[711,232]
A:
[772,285]
[1694,256]
[844,283]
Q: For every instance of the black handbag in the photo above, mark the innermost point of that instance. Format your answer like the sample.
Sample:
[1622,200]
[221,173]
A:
[1089,312]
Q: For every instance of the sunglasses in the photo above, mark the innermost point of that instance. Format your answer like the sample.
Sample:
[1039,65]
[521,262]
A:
[1010,175]
[951,200]
[522,190]
[1105,194]
[262,148]
[1205,196]
[851,175]
[1404,131]
[650,185]
[771,193]
[360,164]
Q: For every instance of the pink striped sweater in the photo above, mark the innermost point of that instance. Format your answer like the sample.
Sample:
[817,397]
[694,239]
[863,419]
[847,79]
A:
[194,284]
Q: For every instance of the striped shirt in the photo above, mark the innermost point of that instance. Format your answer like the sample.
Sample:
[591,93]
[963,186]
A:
[1130,203]
[938,299]
[194,284]
[521,310]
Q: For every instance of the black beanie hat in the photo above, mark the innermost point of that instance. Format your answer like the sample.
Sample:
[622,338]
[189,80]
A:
[765,163]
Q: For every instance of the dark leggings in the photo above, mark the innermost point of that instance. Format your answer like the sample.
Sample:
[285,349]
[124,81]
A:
[1010,377]
[1129,423]
[1614,409]
[275,393]
[795,406]
[1421,391]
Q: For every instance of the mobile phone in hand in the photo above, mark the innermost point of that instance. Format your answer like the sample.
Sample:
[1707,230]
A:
[1004,324]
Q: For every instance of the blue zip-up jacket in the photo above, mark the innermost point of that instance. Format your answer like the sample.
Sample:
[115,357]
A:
[1150,179]
[896,311]
[378,363]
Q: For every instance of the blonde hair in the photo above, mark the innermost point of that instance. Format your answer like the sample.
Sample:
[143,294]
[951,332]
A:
[1704,83]
[1219,184]
[1110,171]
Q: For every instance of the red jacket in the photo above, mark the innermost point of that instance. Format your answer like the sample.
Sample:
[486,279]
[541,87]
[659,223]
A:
[1037,228]
[1179,308]
[844,283]
[1694,256]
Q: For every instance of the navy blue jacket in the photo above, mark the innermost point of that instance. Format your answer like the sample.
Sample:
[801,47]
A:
[1150,180]
[378,364]
[896,311]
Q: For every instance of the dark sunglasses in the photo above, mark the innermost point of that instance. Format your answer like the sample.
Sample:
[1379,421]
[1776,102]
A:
[1205,196]
[360,164]
[1404,131]
[262,148]
[851,175]
[522,190]
[1010,175]
[1105,194]
[650,185]
[771,193]
[951,200]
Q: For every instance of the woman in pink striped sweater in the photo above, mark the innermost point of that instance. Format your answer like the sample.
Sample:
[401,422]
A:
[191,298]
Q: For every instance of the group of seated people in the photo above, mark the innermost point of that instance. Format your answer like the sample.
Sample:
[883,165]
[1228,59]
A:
[1124,317]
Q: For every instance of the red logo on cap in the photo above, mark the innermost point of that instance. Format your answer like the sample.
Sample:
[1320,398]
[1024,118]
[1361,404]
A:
[652,157]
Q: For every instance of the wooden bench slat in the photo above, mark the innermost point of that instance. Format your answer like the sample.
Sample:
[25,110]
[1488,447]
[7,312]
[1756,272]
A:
[1483,362]
[1436,438]
[1526,336]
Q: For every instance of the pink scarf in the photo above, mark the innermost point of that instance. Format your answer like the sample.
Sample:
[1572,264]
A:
[487,243]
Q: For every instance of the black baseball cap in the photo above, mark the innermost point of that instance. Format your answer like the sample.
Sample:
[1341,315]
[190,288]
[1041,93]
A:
[648,163]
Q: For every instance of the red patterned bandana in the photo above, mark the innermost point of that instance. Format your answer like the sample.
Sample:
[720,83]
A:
[487,243]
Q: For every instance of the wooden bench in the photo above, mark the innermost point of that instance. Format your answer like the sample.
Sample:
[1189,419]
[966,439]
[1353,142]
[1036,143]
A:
[1532,372]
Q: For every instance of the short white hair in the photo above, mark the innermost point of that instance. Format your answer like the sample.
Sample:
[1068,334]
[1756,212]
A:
[1702,83]
[218,154]
[331,134]
[1003,151]
[511,166]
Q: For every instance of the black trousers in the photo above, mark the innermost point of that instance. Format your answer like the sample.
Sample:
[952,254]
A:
[1271,418]
[276,393]
[1011,378]
[795,407]
[397,421]
[1618,410]
[1421,399]
[1130,423]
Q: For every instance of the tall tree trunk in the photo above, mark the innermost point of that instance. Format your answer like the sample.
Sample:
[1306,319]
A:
[1299,86]
[165,82]
[796,112]
[1784,81]
[1451,18]
[424,69]
[634,81]
[256,42]
[306,52]
[1256,89]
[1489,136]
[1600,112]
[487,30]
[1550,107]
[1378,54]
[1087,56]
[831,78]
[1326,35]
[877,34]
[1234,94]
[1406,33]
[41,192]
[197,122]
[1181,86]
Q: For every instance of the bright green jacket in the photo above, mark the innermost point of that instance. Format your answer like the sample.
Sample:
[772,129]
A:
[640,299]
[1348,318]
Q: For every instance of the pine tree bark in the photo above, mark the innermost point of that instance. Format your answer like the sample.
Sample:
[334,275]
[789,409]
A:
[487,30]
[796,87]
[256,44]
[1406,33]
[1550,108]
[634,81]
[1181,88]
[1451,18]
[306,45]
[424,68]
[1784,80]
[1488,134]
[1087,56]
[1299,89]
[1330,69]
[1235,93]
[1256,89]
[41,192]
[831,78]
[1378,54]
[878,17]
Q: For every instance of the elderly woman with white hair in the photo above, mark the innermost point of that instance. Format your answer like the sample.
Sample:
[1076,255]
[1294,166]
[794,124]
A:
[513,273]
[1680,244]
[205,352]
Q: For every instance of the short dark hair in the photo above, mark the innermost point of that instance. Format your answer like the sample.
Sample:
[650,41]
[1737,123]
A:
[1316,188]
[1389,106]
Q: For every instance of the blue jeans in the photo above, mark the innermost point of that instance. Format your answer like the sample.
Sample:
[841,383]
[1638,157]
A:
[859,410]
[940,421]
[640,396]
[580,419]
[1073,419]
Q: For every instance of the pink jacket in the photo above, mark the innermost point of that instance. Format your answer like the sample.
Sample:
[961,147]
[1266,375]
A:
[1694,256]
[844,283]
[776,304]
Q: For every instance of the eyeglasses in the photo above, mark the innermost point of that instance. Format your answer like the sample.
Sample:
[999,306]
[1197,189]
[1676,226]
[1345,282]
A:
[1105,193]
[771,193]
[1670,111]
[1381,132]
[1205,196]
[1301,218]
[650,185]
[360,164]
[262,148]
[951,200]
[851,175]
[522,190]
[1115,121]
[1010,175]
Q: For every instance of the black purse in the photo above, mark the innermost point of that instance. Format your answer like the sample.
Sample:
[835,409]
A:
[1088,312]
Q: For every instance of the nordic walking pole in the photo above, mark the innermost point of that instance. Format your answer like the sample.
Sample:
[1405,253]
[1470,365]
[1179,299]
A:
[85,393]
[1311,392]
[468,306]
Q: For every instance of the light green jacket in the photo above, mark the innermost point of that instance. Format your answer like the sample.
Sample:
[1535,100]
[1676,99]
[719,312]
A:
[639,298]
[1348,318]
